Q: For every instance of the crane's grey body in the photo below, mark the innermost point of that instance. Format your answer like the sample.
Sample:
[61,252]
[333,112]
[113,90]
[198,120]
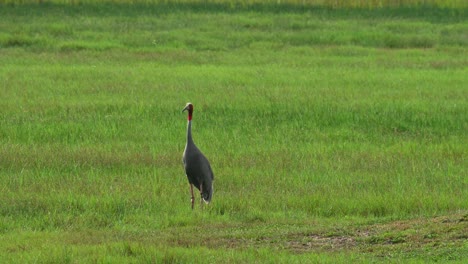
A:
[197,167]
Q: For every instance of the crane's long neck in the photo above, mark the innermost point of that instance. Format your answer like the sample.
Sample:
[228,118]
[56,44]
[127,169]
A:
[189,129]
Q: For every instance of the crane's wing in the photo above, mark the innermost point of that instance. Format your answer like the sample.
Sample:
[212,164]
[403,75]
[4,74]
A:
[208,178]
[208,169]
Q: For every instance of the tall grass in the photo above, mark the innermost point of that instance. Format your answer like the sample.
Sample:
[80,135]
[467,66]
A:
[308,118]
[305,3]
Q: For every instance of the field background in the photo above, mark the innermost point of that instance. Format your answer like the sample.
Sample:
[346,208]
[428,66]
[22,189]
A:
[336,133]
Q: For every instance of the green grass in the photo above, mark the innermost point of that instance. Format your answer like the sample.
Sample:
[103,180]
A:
[334,134]
[235,4]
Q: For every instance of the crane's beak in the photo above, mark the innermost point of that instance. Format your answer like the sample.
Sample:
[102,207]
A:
[186,108]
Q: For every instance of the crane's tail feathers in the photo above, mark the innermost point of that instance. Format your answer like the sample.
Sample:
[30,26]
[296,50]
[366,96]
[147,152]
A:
[207,195]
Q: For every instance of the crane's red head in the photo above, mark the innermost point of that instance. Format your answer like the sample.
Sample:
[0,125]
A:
[189,108]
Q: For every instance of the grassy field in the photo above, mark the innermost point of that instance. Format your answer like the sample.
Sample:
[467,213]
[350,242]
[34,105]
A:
[335,135]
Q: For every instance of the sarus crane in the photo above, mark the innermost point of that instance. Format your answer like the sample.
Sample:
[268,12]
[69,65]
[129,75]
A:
[197,167]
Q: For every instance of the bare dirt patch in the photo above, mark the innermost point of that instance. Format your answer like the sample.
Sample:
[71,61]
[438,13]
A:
[402,235]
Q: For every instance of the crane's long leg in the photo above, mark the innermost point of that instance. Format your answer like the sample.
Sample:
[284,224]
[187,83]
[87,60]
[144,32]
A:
[193,197]
[201,195]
